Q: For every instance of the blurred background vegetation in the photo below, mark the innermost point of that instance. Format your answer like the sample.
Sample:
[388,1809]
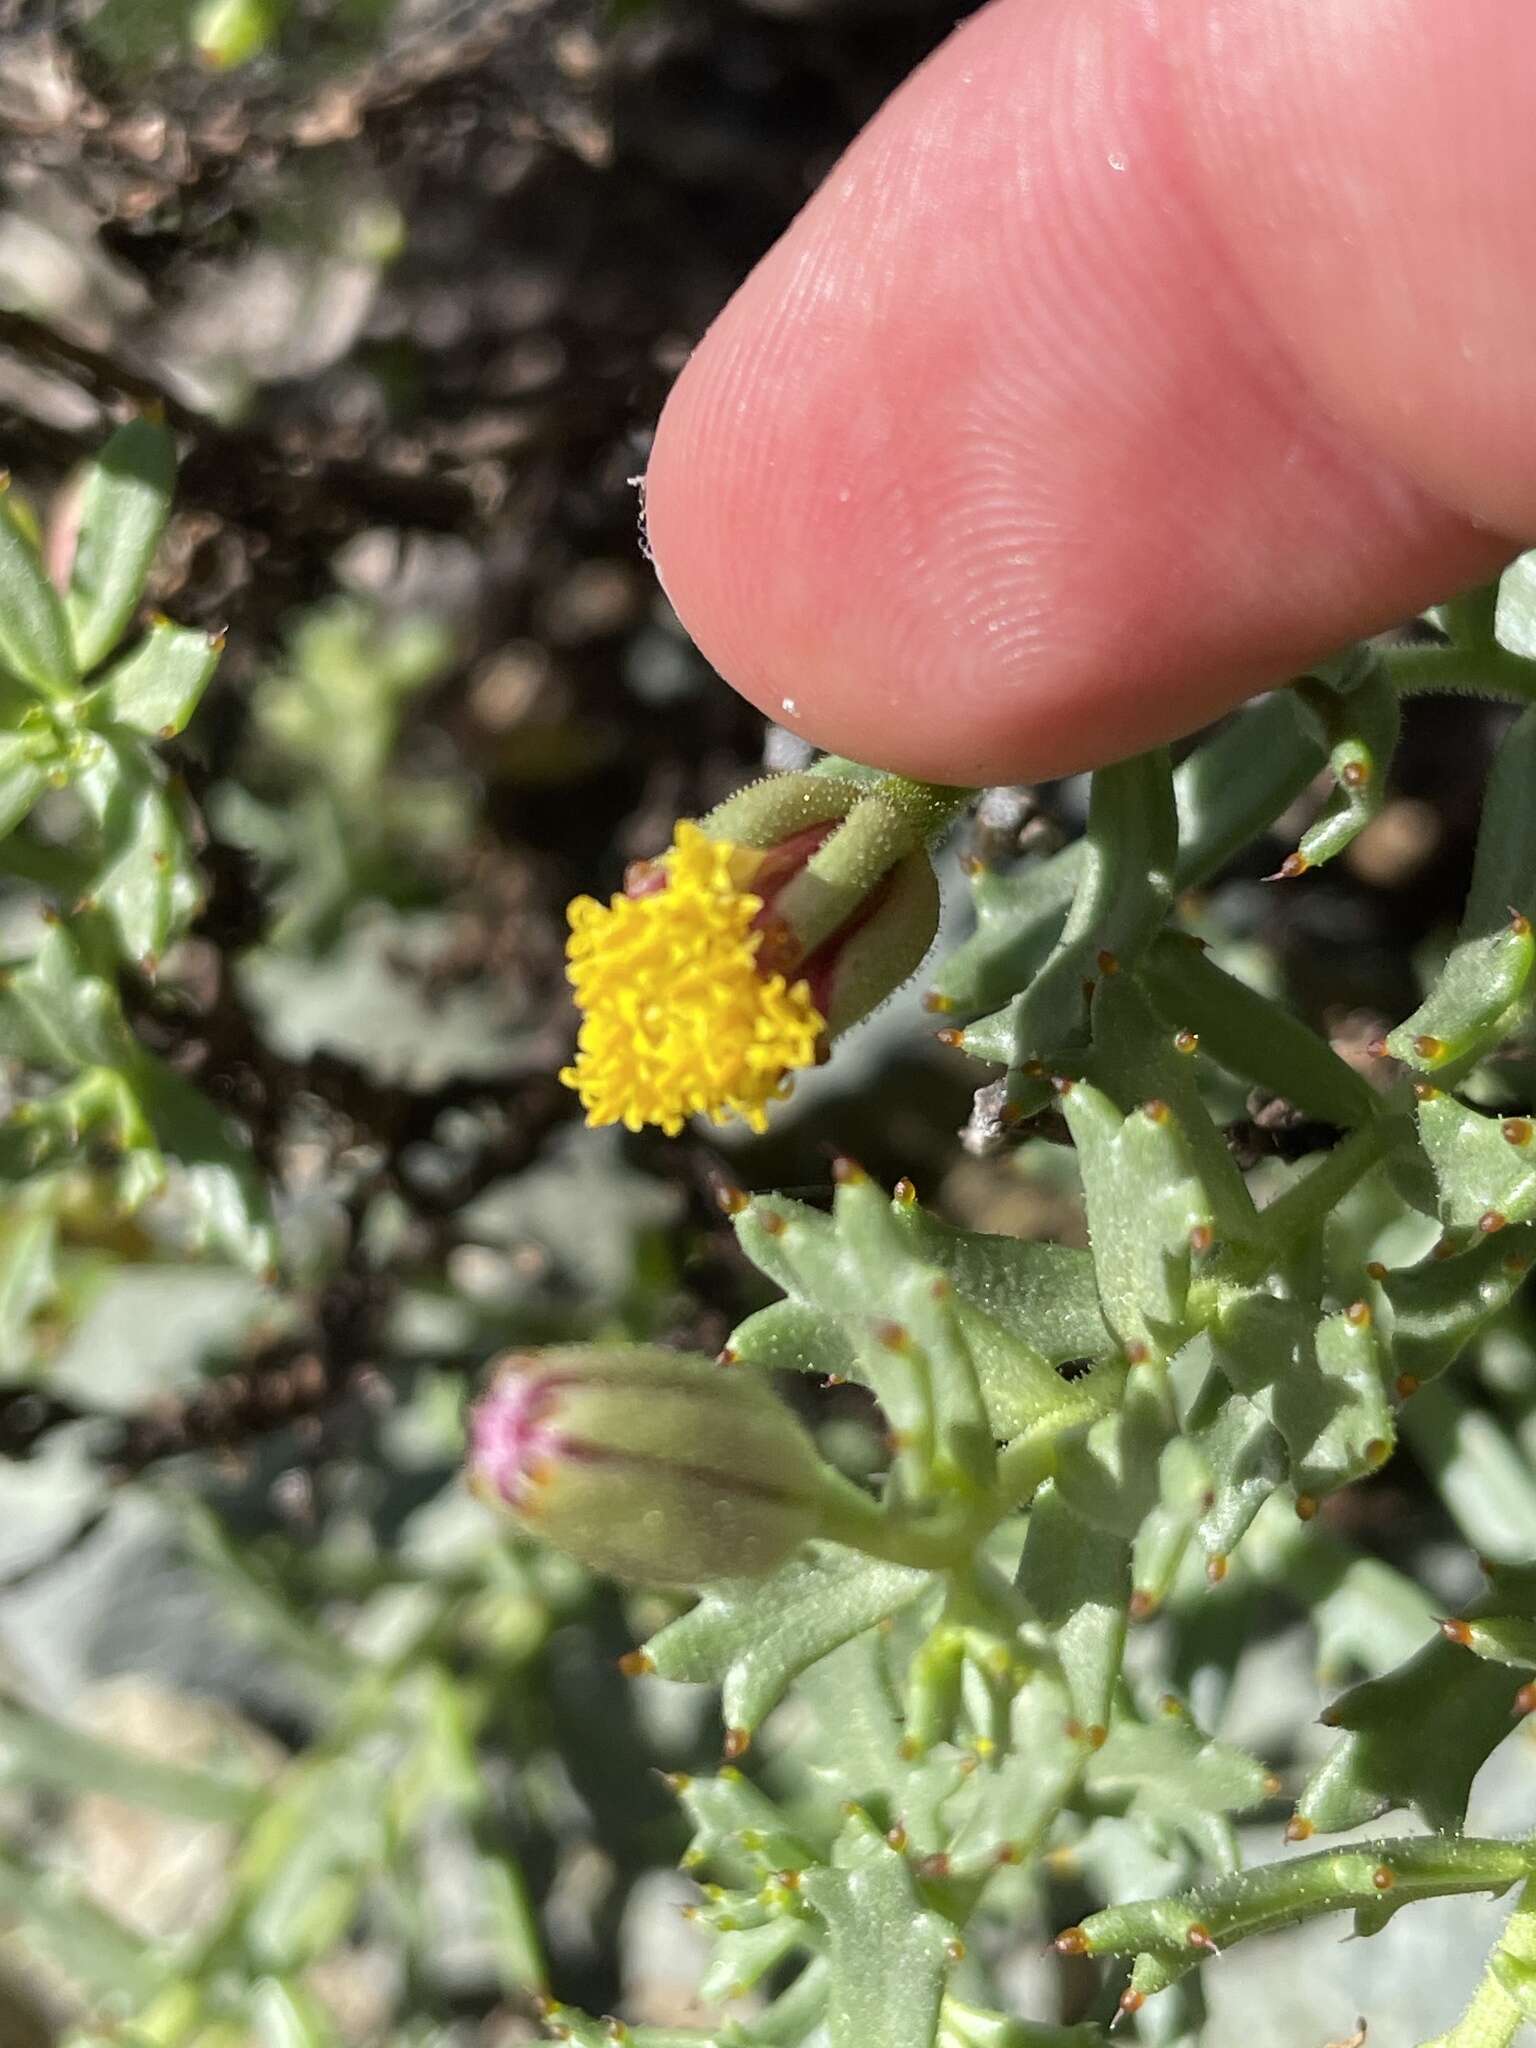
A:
[295,1745]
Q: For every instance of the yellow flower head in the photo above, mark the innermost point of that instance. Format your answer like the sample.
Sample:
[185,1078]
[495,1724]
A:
[679,1014]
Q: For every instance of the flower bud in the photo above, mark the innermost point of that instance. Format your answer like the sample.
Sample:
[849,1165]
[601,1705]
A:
[647,1464]
[735,958]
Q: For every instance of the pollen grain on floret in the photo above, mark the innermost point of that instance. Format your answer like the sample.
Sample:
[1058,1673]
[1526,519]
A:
[679,1016]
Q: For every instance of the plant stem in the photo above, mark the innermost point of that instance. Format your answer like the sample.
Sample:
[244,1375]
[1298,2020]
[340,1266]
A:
[1312,1198]
[1461,671]
[1495,2016]
[1024,1464]
[1269,1896]
[937,1542]
[1231,790]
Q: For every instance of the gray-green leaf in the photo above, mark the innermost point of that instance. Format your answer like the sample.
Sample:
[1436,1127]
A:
[155,688]
[753,1636]
[34,636]
[124,503]
[886,1949]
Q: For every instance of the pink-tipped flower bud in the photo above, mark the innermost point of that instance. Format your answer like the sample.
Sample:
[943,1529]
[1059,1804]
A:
[647,1464]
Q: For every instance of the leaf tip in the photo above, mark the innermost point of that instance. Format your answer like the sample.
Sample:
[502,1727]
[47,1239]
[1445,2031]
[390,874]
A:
[729,1199]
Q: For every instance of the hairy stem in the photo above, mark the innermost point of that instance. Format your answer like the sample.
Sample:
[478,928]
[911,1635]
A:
[1461,671]
[1496,2015]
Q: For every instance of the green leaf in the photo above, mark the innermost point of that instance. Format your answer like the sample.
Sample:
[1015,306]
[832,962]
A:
[1145,1206]
[1502,1639]
[1511,1967]
[1485,1166]
[1159,1546]
[222,1187]
[1170,1771]
[1108,1473]
[1077,1579]
[1232,787]
[54,1012]
[1337,1420]
[1322,1384]
[1440,1305]
[1242,1459]
[1473,1003]
[35,1749]
[98,1109]
[25,763]
[304,1863]
[731,1818]
[1019,918]
[147,884]
[918,1299]
[1123,896]
[1136,1058]
[789,1336]
[124,503]
[1416,1737]
[1357,719]
[753,1636]
[1009,1806]
[1141,1859]
[34,637]
[285,2015]
[90,1945]
[1225,792]
[887,1951]
[29,1242]
[740,1959]
[1504,872]
[966,2028]
[1046,1290]
[859,1730]
[156,687]
[1021,1309]
[1252,1037]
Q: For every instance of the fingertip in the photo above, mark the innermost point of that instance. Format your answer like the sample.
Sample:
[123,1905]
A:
[993,469]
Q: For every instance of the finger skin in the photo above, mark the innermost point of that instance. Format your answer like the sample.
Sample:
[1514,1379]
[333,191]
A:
[1138,353]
